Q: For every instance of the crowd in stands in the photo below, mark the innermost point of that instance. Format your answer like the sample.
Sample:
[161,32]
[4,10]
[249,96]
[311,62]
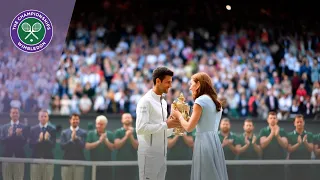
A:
[106,66]
[26,80]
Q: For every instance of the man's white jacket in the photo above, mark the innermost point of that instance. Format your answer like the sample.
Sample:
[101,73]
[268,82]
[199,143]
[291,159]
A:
[151,126]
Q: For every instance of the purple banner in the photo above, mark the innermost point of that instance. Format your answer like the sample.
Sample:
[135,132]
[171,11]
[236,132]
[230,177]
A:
[32,37]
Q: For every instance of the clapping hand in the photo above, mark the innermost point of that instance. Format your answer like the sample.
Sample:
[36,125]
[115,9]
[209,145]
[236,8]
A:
[10,131]
[41,137]
[19,131]
[246,140]
[299,140]
[226,141]
[129,132]
[276,131]
[73,135]
[230,142]
[254,139]
[46,136]
[305,138]
[102,137]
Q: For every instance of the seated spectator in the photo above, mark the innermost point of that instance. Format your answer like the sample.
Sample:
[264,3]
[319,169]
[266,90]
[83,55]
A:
[85,104]
[285,103]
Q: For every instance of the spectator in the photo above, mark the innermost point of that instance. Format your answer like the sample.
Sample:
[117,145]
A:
[248,149]
[99,103]
[100,144]
[126,143]
[14,137]
[301,92]
[316,141]
[286,85]
[65,104]
[31,105]
[73,142]
[243,106]
[85,104]
[285,103]
[88,90]
[74,105]
[271,101]
[315,72]
[300,146]
[42,142]
[253,105]
[228,140]
[273,141]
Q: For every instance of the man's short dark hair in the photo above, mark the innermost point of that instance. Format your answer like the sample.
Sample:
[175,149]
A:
[74,115]
[299,116]
[161,73]
[226,120]
[248,120]
[272,113]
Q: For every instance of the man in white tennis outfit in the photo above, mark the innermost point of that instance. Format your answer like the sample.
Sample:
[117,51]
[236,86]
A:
[153,127]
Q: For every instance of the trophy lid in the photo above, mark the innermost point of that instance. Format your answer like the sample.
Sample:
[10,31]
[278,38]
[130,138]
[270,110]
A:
[181,97]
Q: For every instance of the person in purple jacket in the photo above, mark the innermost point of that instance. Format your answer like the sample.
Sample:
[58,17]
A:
[14,137]
[73,141]
[42,142]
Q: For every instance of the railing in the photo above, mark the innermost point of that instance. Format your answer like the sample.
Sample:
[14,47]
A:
[95,164]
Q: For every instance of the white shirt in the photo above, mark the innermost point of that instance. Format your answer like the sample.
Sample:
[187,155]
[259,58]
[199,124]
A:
[77,128]
[285,103]
[43,126]
[99,103]
[16,123]
[152,130]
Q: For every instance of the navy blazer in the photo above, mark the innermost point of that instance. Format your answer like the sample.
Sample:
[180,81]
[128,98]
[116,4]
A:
[43,149]
[14,145]
[73,150]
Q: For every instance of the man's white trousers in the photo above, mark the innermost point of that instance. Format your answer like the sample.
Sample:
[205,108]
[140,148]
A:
[152,167]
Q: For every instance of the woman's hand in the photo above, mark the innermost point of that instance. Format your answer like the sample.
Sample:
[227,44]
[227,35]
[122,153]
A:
[175,113]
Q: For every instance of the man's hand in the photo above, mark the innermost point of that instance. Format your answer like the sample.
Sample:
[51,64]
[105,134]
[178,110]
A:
[41,137]
[46,136]
[246,140]
[254,139]
[173,122]
[129,132]
[10,131]
[230,142]
[19,131]
[272,132]
[276,130]
[299,140]
[225,141]
[305,138]
[102,137]
[73,135]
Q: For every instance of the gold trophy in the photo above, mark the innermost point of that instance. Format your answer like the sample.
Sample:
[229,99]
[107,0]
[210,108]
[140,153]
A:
[184,109]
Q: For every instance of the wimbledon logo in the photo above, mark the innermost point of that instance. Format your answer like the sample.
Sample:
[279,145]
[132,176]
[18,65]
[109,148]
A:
[31,31]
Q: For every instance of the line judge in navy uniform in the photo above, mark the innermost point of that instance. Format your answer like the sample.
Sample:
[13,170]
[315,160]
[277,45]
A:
[73,142]
[42,143]
[14,137]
